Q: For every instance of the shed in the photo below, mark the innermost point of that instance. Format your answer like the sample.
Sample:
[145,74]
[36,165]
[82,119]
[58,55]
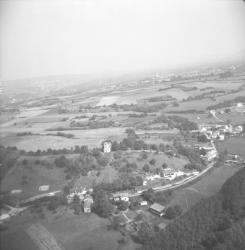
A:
[158,209]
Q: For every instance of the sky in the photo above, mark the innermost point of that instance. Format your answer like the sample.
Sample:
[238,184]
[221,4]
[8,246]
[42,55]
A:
[57,37]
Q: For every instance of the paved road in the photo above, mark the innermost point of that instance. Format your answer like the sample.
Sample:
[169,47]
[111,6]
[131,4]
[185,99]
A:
[15,210]
[213,113]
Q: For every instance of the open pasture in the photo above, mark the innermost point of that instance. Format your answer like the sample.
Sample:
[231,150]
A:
[30,176]
[234,145]
[90,137]
[209,185]
[84,232]
[217,84]
[236,118]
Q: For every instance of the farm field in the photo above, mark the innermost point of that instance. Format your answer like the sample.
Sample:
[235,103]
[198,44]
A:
[90,137]
[218,84]
[235,117]
[83,232]
[17,240]
[70,231]
[234,145]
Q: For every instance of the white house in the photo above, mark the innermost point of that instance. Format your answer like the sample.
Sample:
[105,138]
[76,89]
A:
[107,146]
[143,203]
[221,137]
[238,129]
[152,177]
[211,155]
[87,204]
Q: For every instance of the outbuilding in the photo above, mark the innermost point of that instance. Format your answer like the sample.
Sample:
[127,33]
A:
[158,209]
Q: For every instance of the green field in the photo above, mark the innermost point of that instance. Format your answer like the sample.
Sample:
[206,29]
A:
[209,185]
[234,145]
[35,175]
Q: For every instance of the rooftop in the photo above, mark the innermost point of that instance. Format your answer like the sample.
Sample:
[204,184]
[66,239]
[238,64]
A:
[157,207]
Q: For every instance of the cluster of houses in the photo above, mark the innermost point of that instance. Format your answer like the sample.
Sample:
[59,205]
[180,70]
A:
[84,197]
[208,153]
[167,174]
[219,131]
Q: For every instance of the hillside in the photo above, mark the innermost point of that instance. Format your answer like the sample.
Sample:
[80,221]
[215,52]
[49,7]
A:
[214,223]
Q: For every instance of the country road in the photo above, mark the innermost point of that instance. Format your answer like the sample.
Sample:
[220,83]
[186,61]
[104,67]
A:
[213,113]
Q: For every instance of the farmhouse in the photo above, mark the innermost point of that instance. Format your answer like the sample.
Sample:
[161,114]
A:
[152,177]
[238,129]
[143,203]
[107,146]
[157,209]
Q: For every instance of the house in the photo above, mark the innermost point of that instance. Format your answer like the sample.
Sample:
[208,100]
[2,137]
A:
[169,174]
[43,188]
[77,192]
[157,209]
[143,203]
[210,155]
[221,137]
[107,146]
[152,177]
[87,204]
[124,198]
[215,134]
[238,129]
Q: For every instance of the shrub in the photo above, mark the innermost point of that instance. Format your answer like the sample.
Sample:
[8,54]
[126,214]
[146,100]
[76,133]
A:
[173,212]
[152,161]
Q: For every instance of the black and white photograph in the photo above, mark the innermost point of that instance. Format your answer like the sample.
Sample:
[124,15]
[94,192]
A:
[122,125]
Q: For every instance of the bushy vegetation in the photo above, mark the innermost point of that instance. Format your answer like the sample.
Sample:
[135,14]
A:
[82,164]
[173,212]
[160,197]
[145,108]
[193,156]
[227,103]
[102,205]
[91,124]
[175,121]
[8,157]
[125,182]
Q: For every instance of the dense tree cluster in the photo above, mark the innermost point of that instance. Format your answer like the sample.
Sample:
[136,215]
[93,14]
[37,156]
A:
[160,197]
[142,108]
[175,121]
[173,212]
[183,123]
[192,154]
[202,138]
[83,164]
[102,205]
[91,124]
[125,182]
[8,157]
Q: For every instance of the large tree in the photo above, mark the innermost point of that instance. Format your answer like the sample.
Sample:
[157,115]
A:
[102,205]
